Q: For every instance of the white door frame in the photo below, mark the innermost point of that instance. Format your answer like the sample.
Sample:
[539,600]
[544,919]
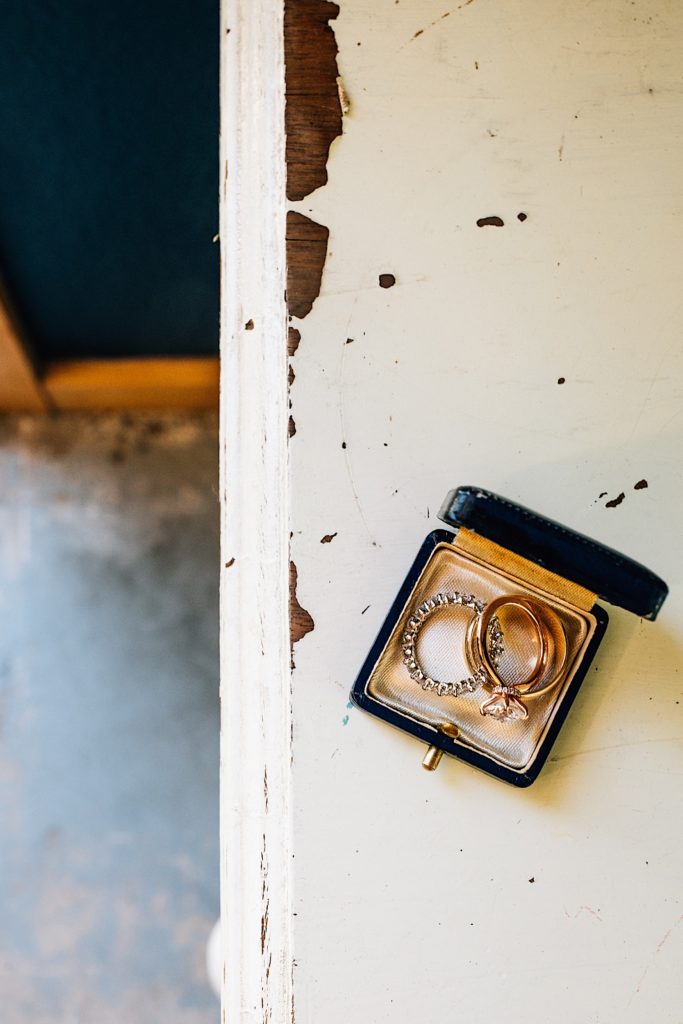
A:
[255,650]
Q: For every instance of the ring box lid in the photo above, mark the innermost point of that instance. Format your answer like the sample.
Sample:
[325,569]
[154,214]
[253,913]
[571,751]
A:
[602,570]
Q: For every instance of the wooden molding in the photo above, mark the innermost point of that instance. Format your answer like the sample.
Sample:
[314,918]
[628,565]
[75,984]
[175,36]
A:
[20,390]
[169,383]
[256,727]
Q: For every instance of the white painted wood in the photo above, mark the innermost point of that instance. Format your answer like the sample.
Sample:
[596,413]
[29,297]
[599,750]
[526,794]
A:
[429,898]
[255,702]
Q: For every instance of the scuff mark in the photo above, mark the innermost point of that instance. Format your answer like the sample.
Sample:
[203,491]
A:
[264,929]
[327,538]
[491,222]
[560,149]
[615,501]
[421,31]
[587,909]
[658,948]
[266,955]
[344,101]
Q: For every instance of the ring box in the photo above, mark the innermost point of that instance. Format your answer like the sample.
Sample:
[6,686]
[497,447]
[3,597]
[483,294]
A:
[495,550]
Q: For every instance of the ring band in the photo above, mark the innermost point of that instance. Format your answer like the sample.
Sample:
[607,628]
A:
[412,629]
[505,702]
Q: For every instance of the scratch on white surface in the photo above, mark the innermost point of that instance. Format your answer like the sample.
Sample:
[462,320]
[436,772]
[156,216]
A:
[421,31]
[658,948]
[615,746]
[582,908]
[654,380]
[347,457]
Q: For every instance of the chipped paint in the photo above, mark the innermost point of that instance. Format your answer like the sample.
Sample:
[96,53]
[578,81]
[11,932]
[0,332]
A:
[315,102]
[301,622]
[306,255]
[316,99]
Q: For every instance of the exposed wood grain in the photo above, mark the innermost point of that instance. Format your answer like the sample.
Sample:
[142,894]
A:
[293,339]
[133,384]
[300,621]
[313,119]
[313,114]
[306,253]
[20,388]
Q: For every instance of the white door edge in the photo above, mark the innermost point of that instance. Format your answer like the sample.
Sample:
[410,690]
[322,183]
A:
[255,654]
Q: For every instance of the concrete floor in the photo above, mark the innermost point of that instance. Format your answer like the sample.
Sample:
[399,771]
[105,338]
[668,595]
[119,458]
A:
[108,719]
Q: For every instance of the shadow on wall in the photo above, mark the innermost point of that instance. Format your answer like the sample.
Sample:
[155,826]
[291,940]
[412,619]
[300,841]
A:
[108,718]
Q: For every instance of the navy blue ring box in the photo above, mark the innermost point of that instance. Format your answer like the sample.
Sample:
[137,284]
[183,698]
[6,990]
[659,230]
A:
[555,549]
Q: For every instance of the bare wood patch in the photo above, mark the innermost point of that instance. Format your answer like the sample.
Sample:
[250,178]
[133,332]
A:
[315,103]
[293,339]
[313,111]
[306,253]
[300,621]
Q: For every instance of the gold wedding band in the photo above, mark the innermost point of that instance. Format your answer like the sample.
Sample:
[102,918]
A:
[551,642]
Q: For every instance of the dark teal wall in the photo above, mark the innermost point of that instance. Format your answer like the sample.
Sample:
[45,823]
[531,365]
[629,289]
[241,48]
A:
[108,174]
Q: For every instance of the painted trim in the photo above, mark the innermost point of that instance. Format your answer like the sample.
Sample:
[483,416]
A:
[255,654]
[183,384]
